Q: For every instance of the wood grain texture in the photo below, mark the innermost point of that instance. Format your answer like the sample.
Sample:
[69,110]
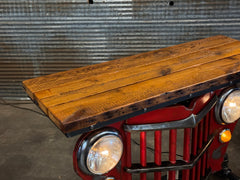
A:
[91,95]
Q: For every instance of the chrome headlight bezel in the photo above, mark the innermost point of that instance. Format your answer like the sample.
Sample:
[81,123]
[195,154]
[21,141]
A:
[220,103]
[88,143]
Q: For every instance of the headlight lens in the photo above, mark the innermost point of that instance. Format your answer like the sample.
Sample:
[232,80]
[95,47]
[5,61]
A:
[104,154]
[227,109]
[231,107]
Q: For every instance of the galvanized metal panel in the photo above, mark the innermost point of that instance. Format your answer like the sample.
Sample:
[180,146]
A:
[47,36]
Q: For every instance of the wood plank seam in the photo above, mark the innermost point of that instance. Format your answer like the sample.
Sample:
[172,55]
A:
[121,87]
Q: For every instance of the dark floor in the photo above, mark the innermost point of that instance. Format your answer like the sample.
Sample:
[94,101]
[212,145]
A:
[32,148]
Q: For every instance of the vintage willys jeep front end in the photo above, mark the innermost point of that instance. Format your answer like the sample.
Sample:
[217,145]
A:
[189,90]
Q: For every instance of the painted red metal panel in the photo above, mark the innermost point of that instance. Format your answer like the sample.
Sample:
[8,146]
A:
[217,149]
[128,154]
[200,142]
[205,136]
[157,152]
[161,115]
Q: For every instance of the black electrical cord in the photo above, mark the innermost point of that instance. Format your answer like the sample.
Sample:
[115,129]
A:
[152,150]
[23,108]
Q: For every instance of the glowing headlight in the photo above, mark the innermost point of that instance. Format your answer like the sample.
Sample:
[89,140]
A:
[100,152]
[104,154]
[228,108]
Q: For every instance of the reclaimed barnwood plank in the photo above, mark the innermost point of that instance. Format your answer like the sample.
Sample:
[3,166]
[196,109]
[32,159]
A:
[97,94]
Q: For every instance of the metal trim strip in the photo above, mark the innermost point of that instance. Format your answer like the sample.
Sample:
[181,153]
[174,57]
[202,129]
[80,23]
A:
[188,122]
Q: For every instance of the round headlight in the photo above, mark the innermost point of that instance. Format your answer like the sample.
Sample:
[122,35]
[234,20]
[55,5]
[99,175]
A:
[100,151]
[228,108]
[104,154]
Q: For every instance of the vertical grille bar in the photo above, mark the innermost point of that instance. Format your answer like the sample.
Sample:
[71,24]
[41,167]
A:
[157,153]
[200,142]
[194,138]
[143,153]
[128,154]
[205,136]
[186,151]
[194,150]
[211,114]
[172,151]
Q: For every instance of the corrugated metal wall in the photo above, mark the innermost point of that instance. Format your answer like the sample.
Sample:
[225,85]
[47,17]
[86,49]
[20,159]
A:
[39,37]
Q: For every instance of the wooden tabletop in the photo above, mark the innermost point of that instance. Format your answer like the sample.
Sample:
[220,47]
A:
[90,97]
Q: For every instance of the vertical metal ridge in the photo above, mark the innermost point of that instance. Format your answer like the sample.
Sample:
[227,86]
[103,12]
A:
[172,151]
[128,154]
[143,153]
[158,152]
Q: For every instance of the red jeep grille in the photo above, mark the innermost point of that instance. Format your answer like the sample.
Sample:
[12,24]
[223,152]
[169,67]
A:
[193,144]
[175,142]
[200,136]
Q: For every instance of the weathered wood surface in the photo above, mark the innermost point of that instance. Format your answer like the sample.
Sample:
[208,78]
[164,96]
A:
[84,97]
